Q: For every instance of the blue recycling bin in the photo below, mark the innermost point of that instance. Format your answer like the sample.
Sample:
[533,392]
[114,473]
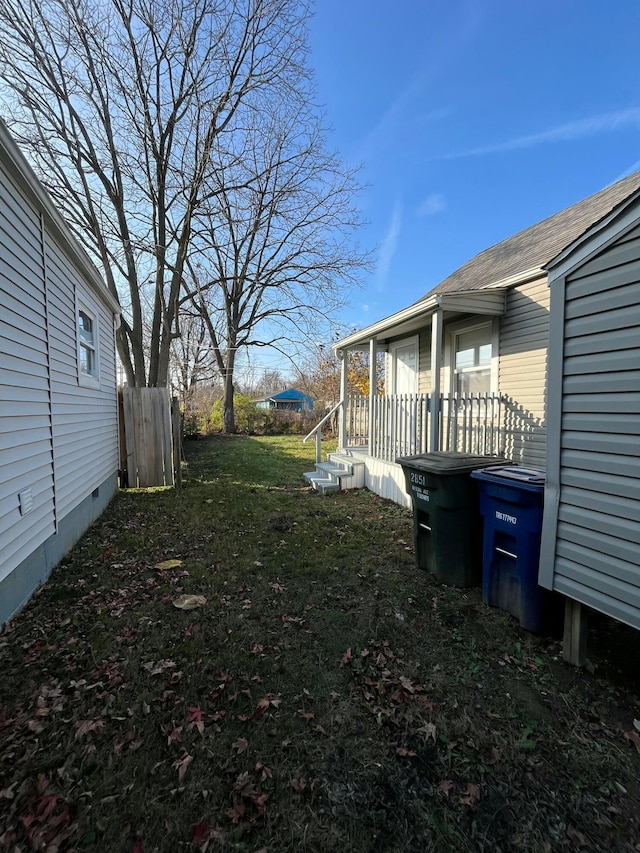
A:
[511,504]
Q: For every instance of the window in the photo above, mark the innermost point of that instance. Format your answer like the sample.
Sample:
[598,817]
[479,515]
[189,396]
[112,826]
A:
[87,344]
[472,361]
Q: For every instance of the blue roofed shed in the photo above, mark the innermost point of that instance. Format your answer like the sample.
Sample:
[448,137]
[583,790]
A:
[290,400]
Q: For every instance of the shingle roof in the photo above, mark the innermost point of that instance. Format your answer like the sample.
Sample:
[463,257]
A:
[290,394]
[536,246]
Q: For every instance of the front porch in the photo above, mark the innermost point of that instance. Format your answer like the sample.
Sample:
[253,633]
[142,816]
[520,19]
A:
[375,430]
[387,426]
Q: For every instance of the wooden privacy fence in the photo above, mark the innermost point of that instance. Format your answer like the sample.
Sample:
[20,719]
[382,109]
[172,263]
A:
[150,442]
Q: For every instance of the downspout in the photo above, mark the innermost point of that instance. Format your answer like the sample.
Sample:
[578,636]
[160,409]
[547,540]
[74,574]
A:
[436,365]
[373,390]
[342,430]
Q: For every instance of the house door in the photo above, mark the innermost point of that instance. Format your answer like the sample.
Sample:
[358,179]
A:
[405,368]
[404,382]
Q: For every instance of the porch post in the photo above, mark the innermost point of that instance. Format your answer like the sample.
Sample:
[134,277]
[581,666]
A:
[436,364]
[342,429]
[373,390]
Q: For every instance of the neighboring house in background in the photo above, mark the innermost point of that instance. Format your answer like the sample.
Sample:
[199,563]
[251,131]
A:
[466,364]
[591,528]
[290,400]
[58,400]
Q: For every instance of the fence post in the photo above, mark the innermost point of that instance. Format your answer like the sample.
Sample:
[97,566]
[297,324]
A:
[176,429]
[122,438]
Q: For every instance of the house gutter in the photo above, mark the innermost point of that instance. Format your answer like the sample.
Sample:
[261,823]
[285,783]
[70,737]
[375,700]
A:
[22,173]
[430,304]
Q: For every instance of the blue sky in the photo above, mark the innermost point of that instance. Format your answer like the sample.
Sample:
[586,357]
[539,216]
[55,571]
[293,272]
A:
[472,119]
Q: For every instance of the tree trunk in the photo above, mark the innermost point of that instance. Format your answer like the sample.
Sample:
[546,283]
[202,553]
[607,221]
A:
[228,425]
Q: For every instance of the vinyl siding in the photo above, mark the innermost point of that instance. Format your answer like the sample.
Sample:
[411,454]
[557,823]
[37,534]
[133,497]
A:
[524,336]
[424,361]
[26,456]
[58,437]
[85,417]
[598,529]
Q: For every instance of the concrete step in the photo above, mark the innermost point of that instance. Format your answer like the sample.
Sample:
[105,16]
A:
[340,471]
[353,469]
[335,469]
[321,483]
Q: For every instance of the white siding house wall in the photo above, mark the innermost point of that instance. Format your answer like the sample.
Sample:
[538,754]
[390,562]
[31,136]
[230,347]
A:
[591,537]
[58,429]
[524,336]
[26,459]
[424,361]
[85,415]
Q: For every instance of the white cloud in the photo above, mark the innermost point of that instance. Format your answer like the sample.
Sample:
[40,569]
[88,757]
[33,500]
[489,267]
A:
[603,123]
[406,114]
[393,123]
[389,246]
[433,204]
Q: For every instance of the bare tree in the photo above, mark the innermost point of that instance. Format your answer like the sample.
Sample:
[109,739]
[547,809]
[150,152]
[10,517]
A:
[270,382]
[275,252]
[192,364]
[121,105]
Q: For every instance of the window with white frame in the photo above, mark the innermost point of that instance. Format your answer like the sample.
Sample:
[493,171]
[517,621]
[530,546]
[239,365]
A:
[472,350]
[87,344]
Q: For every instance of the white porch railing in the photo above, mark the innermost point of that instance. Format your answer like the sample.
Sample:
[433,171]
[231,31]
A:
[317,431]
[470,423]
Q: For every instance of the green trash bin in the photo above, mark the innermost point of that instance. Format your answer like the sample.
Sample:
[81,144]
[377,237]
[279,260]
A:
[447,525]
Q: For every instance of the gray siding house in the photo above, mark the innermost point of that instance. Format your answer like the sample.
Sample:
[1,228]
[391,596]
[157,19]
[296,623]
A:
[58,400]
[591,529]
[465,365]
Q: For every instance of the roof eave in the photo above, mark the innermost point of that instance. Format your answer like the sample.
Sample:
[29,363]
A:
[397,319]
[596,238]
[433,301]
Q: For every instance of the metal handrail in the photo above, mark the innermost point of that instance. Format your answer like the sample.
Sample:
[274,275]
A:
[317,431]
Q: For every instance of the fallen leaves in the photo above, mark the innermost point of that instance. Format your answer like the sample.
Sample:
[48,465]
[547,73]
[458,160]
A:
[470,795]
[46,818]
[392,698]
[49,700]
[167,564]
[634,738]
[240,745]
[189,602]
[85,727]
[203,833]
[248,800]
[156,668]
[194,719]
[182,765]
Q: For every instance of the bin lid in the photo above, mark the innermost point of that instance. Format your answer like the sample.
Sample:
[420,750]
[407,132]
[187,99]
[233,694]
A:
[520,474]
[449,462]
